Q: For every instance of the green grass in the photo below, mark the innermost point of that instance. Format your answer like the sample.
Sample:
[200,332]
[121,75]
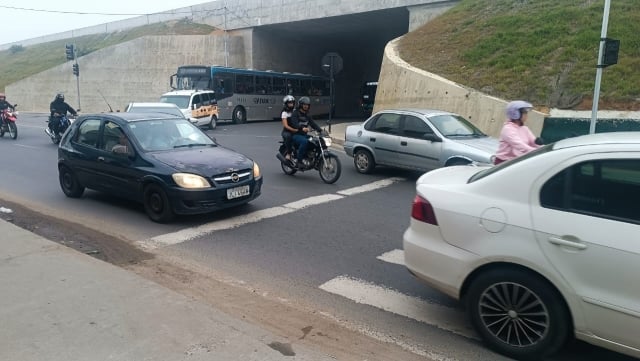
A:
[20,62]
[544,51]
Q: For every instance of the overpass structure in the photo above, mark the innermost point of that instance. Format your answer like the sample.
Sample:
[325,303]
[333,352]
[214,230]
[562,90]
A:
[279,35]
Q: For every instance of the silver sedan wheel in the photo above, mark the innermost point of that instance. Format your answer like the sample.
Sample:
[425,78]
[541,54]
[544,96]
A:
[514,314]
[363,161]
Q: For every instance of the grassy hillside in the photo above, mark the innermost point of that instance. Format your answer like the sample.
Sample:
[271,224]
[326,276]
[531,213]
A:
[544,51]
[20,62]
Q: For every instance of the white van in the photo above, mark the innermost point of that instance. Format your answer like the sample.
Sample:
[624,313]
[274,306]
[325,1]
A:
[199,106]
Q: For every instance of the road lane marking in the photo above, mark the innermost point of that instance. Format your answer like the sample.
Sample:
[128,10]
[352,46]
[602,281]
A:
[369,187]
[389,300]
[396,256]
[187,234]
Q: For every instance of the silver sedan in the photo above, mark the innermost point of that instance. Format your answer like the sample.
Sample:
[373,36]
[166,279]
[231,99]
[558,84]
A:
[418,139]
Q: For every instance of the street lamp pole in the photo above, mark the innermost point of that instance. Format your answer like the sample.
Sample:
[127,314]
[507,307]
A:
[226,34]
[596,90]
[330,67]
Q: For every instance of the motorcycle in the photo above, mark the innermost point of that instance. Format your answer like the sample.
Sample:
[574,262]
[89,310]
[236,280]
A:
[318,157]
[65,122]
[8,118]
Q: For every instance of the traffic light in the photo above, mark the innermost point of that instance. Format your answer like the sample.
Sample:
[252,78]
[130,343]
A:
[610,55]
[76,69]
[69,51]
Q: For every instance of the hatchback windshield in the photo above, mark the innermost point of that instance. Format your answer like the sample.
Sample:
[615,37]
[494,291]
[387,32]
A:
[150,109]
[182,101]
[451,125]
[165,134]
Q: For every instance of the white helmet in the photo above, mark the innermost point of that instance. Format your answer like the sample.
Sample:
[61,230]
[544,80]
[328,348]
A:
[516,108]
[287,99]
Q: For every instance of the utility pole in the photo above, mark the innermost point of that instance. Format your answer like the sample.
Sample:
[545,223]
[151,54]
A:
[596,90]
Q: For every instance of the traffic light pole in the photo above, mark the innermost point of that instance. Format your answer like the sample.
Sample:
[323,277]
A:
[78,84]
[596,89]
[77,74]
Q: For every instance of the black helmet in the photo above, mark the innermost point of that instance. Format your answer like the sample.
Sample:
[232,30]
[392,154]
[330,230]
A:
[304,100]
[60,96]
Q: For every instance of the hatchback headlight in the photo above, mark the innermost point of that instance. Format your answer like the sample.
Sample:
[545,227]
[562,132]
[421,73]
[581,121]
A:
[190,181]
[256,170]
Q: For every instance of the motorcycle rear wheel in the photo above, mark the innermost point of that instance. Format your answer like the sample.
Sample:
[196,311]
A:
[13,130]
[330,169]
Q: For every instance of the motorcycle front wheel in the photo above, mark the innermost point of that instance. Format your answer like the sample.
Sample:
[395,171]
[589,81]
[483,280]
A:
[13,130]
[330,169]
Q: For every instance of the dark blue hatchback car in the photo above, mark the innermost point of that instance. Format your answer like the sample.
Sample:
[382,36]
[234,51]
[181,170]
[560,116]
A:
[166,163]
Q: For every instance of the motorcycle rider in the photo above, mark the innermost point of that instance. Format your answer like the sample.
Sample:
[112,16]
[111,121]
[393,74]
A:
[4,104]
[288,131]
[302,121]
[58,109]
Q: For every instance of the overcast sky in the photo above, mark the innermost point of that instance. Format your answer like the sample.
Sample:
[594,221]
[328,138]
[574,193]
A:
[46,17]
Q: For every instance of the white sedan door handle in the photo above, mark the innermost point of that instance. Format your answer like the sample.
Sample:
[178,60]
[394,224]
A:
[563,242]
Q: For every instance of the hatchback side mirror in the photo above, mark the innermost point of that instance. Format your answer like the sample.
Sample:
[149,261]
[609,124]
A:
[432,137]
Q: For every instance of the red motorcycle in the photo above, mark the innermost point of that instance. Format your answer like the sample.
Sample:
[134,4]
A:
[8,118]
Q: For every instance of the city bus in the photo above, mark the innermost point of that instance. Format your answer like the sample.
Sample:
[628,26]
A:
[247,94]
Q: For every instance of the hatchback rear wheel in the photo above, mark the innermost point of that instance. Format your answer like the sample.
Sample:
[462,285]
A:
[69,183]
[517,313]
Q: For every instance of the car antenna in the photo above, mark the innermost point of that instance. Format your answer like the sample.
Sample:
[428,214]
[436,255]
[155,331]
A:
[105,100]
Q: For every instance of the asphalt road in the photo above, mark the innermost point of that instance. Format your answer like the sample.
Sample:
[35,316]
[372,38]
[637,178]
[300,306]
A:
[336,247]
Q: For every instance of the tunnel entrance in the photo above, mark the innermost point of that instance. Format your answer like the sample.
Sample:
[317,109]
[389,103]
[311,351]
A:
[298,47]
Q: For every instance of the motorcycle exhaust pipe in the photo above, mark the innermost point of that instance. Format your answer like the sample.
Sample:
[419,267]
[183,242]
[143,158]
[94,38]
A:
[281,158]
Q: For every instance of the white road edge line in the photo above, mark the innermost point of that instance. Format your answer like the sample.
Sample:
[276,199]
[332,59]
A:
[396,256]
[187,234]
[389,300]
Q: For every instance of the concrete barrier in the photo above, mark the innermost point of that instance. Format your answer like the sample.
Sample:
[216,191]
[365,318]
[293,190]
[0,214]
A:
[404,86]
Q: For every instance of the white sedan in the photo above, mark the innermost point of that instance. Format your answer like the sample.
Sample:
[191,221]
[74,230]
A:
[540,248]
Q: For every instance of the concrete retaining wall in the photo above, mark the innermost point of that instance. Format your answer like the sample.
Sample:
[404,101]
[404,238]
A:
[141,67]
[404,86]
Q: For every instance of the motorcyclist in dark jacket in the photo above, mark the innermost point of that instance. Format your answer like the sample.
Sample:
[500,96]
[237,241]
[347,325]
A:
[59,109]
[301,120]
[4,104]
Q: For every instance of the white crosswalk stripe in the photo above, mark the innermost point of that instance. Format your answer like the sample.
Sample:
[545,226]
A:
[396,256]
[393,301]
[363,292]
[234,222]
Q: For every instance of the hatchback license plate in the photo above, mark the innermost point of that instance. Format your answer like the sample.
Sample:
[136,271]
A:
[237,192]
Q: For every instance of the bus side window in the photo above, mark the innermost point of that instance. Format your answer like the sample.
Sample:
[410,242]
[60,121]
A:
[293,87]
[244,84]
[278,86]
[263,84]
[305,87]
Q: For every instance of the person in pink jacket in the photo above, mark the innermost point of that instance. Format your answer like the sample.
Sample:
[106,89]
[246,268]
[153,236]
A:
[516,138]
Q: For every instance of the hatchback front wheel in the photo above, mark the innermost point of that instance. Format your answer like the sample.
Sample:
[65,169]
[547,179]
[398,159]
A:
[156,204]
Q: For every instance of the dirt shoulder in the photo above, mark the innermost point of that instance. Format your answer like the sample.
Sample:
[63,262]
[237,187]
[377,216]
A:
[298,323]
